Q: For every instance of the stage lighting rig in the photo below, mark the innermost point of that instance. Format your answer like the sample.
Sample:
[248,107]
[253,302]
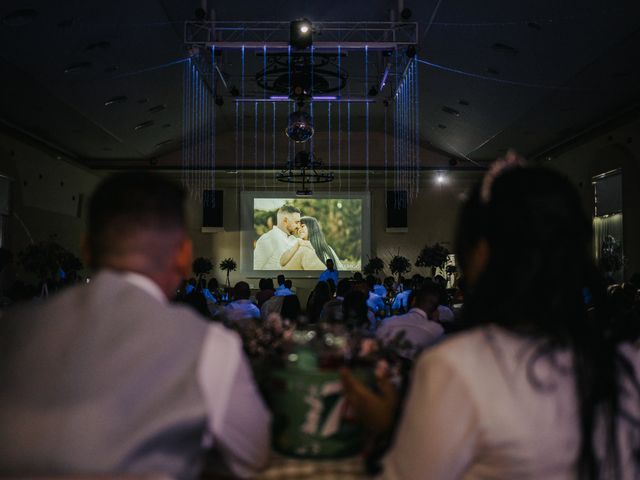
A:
[301,34]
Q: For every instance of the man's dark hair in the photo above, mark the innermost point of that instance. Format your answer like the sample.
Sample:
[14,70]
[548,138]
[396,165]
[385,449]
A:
[357,276]
[288,209]
[269,283]
[126,203]
[280,279]
[213,284]
[288,284]
[427,297]
[327,263]
[241,291]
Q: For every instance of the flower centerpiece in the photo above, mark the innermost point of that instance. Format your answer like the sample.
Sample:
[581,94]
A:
[228,265]
[374,266]
[399,265]
[201,267]
[298,370]
[433,257]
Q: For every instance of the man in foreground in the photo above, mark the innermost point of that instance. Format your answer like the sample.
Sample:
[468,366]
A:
[111,378]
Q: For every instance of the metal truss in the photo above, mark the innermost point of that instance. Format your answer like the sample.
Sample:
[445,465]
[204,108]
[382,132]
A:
[326,35]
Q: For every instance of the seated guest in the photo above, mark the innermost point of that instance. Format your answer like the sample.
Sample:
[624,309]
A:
[332,311]
[389,286]
[540,389]
[290,309]
[374,301]
[241,308]
[401,302]
[191,286]
[286,290]
[417,325]
[357,277]
[280,279]
[329,273]
[355,313]
[266,291]
[379,289]
[109,377]
[317,300]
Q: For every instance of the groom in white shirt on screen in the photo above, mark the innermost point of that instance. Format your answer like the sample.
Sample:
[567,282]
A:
[271,245]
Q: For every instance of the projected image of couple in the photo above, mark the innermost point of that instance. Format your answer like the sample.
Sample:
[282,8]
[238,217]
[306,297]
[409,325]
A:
[296,242]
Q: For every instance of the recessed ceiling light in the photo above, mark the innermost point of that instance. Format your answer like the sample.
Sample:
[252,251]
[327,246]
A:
[157,108]
[163,143]
[504,48]
[115,100]
[232,172]
[98,46]
[142,125]
[450,111]
[77,67]
[19,18]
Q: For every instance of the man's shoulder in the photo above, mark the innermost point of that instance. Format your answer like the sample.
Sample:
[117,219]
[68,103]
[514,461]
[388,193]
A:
[265,236]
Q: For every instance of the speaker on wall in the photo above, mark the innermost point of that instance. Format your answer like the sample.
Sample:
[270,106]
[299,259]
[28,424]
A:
[212,211]
[397,201]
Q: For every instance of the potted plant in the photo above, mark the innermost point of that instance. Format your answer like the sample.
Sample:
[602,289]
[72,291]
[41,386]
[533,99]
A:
[432,257]
[374,266]
[399,265]
[201,266]
[49,262]
[228,265]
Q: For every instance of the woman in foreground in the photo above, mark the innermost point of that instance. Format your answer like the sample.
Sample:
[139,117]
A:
[539,389]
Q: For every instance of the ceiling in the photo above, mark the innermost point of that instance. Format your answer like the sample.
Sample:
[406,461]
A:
[527,74]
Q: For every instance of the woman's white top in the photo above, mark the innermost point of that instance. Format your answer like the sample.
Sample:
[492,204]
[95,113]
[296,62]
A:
[473,412]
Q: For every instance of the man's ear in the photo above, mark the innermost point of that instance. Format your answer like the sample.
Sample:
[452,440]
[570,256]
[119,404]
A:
[184,257]
[85,251]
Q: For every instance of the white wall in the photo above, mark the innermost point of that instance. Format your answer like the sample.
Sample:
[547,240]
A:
[618,148]
[48,195]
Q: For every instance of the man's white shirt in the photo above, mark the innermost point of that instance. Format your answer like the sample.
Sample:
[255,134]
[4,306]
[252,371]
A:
[270,247]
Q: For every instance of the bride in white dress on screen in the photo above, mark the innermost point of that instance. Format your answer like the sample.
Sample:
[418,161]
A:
[311,251]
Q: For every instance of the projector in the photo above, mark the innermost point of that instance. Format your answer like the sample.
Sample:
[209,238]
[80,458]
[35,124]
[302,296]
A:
[304,193]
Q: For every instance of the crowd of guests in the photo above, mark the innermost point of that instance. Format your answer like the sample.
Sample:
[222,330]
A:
[419,307]
[537,376]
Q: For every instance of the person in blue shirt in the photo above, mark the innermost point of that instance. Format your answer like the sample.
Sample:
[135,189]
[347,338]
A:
[285,290]
[329,273]
[374,301]
[241,308]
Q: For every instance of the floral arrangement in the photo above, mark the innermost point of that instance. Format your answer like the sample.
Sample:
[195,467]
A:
[46,259]
[374,266]
[399,265]
[228,265]
[202,266]
[432,257]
